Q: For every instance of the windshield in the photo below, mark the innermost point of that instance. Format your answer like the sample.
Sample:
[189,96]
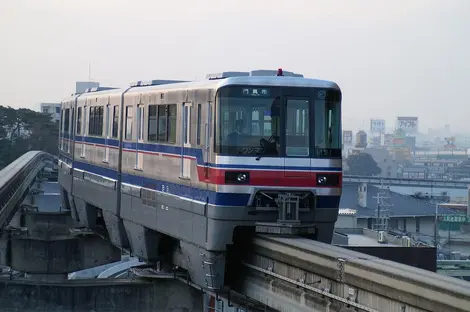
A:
[252,121]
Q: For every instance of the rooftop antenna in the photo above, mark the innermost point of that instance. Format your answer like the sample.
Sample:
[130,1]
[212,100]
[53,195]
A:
[382,210]
[89,71]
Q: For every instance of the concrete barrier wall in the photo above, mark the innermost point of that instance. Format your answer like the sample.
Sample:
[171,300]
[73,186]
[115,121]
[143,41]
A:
[99,295]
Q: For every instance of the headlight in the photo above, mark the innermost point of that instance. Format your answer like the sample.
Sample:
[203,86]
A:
[328,179]
[322,179]
[241,177]
[237,177]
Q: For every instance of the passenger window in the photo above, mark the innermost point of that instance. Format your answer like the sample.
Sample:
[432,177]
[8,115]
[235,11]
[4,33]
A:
[152,135]
[95,126]
[172,123]
[62,120]
[167,123]
[99,126]
[198,125]
[67,120]
[129,117]
[140,122]
[72,129]
[91,121]
[162,125]
[115,121]
[79,121]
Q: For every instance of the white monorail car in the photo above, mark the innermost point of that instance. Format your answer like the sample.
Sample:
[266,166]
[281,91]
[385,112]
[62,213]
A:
[181,166]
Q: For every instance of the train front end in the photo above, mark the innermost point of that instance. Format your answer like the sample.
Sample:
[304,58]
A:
[277,156]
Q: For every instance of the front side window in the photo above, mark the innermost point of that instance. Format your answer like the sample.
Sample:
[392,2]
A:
[327,128]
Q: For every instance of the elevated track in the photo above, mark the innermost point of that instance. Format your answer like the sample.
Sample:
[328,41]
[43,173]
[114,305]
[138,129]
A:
[297,274]
[406,182]
[15,181]
[306,275]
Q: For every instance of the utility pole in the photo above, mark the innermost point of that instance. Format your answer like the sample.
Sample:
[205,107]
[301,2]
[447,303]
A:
[382,210]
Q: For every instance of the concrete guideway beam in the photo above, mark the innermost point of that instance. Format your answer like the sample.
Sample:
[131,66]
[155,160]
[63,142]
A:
[15,180]
[99,295]
[305,275]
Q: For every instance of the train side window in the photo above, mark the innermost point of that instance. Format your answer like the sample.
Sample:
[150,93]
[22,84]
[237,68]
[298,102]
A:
[67,121]
[167,123]
[129,117]
[100,120]
[152,135]
[198,125]
[172,123]
[140,122]
[72,124]
[79,121]
[115,121]
[91,121]
[95,125]
[162,123]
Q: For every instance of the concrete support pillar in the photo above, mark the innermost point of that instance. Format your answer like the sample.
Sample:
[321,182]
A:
[46,249]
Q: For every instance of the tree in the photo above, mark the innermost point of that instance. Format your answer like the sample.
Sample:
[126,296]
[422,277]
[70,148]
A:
[23,130]
[362,164]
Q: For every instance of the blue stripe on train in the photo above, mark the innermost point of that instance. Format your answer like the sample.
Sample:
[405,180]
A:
[193,152]
[222,199]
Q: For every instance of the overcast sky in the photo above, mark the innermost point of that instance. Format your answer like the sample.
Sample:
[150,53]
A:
[389,57]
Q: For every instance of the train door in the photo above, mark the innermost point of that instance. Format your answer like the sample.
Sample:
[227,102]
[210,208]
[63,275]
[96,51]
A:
[106,133]
[186,142]
[297,139]
[140,137]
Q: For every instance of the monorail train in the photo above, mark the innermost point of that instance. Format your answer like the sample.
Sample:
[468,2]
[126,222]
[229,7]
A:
[172,165]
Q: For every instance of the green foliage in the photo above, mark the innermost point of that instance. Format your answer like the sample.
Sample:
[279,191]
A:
[23,130]
[362,164]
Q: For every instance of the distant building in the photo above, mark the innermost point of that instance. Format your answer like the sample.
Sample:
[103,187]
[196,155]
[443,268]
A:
[459,172]
[81,86]
[52,109]
[405,214]
[384,160]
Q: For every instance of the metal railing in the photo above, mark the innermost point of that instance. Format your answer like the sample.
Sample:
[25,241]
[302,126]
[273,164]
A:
[406,182]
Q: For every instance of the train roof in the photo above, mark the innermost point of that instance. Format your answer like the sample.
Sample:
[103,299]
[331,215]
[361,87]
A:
[215,81]
[243,80]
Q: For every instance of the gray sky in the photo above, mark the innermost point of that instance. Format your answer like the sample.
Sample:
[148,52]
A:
[389,57]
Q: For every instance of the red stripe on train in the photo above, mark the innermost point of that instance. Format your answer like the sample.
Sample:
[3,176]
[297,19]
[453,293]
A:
[267,178]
